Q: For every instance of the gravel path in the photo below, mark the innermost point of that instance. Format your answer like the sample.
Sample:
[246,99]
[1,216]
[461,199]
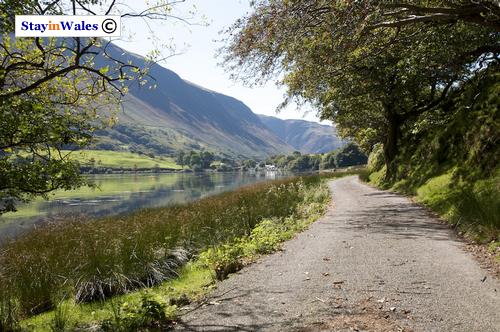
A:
[374,262]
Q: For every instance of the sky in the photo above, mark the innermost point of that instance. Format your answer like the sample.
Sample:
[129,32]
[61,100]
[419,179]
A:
[198,46]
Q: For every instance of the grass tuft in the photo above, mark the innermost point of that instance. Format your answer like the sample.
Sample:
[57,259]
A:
[60,322]
[8,314]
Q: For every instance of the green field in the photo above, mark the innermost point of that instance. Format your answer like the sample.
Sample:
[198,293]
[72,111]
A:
[114,159]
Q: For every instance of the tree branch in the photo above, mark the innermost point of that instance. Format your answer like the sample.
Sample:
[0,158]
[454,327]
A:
[482,13]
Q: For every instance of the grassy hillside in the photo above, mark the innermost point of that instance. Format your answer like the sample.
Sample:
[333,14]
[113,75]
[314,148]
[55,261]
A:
[114,159]
[178,115]
[132,137]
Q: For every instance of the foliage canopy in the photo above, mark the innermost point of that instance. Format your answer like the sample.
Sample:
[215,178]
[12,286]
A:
[56,92]
[373,67]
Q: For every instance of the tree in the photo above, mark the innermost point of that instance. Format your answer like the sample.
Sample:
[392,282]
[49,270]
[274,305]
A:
[373,81]
[54,95]
[194,159]
[315,162]
[301,163]
[350,155]
[398,14]
[206,159]
[328,161]
[180,158]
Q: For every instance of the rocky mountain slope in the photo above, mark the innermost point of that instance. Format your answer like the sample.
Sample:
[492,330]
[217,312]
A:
[304,136]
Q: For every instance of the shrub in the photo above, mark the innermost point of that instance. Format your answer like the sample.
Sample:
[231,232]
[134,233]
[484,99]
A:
[376,158]
[150,313]
[224,259]
[268,236]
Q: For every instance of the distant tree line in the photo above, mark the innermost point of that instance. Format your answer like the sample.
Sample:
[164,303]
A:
[204,160]
[350,155]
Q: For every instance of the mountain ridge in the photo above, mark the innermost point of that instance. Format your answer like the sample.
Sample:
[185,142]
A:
[181,115]
[304,136]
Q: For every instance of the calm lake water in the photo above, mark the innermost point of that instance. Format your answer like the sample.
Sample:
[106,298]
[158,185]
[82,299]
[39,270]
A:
[120,194]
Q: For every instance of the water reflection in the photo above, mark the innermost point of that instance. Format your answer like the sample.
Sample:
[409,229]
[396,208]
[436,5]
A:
[119,194]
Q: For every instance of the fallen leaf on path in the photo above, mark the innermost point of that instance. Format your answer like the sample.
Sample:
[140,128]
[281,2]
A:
[213,303]
[418,282]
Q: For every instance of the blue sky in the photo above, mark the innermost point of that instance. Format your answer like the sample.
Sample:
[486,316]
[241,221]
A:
[198,63]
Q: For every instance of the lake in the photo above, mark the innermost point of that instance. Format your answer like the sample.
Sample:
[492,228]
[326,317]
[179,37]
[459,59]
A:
[124,193]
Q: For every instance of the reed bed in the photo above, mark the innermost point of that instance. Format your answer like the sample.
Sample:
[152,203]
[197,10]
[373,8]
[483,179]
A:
[91,260]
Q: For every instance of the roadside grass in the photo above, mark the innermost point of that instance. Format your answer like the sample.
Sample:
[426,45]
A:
[117,159]
[195,279]
[471,208]
[90,273]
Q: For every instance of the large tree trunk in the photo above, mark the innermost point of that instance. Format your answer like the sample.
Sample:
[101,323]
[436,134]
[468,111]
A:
[391,145]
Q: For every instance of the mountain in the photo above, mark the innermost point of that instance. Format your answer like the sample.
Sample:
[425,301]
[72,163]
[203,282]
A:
[304,136]
[179,115]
